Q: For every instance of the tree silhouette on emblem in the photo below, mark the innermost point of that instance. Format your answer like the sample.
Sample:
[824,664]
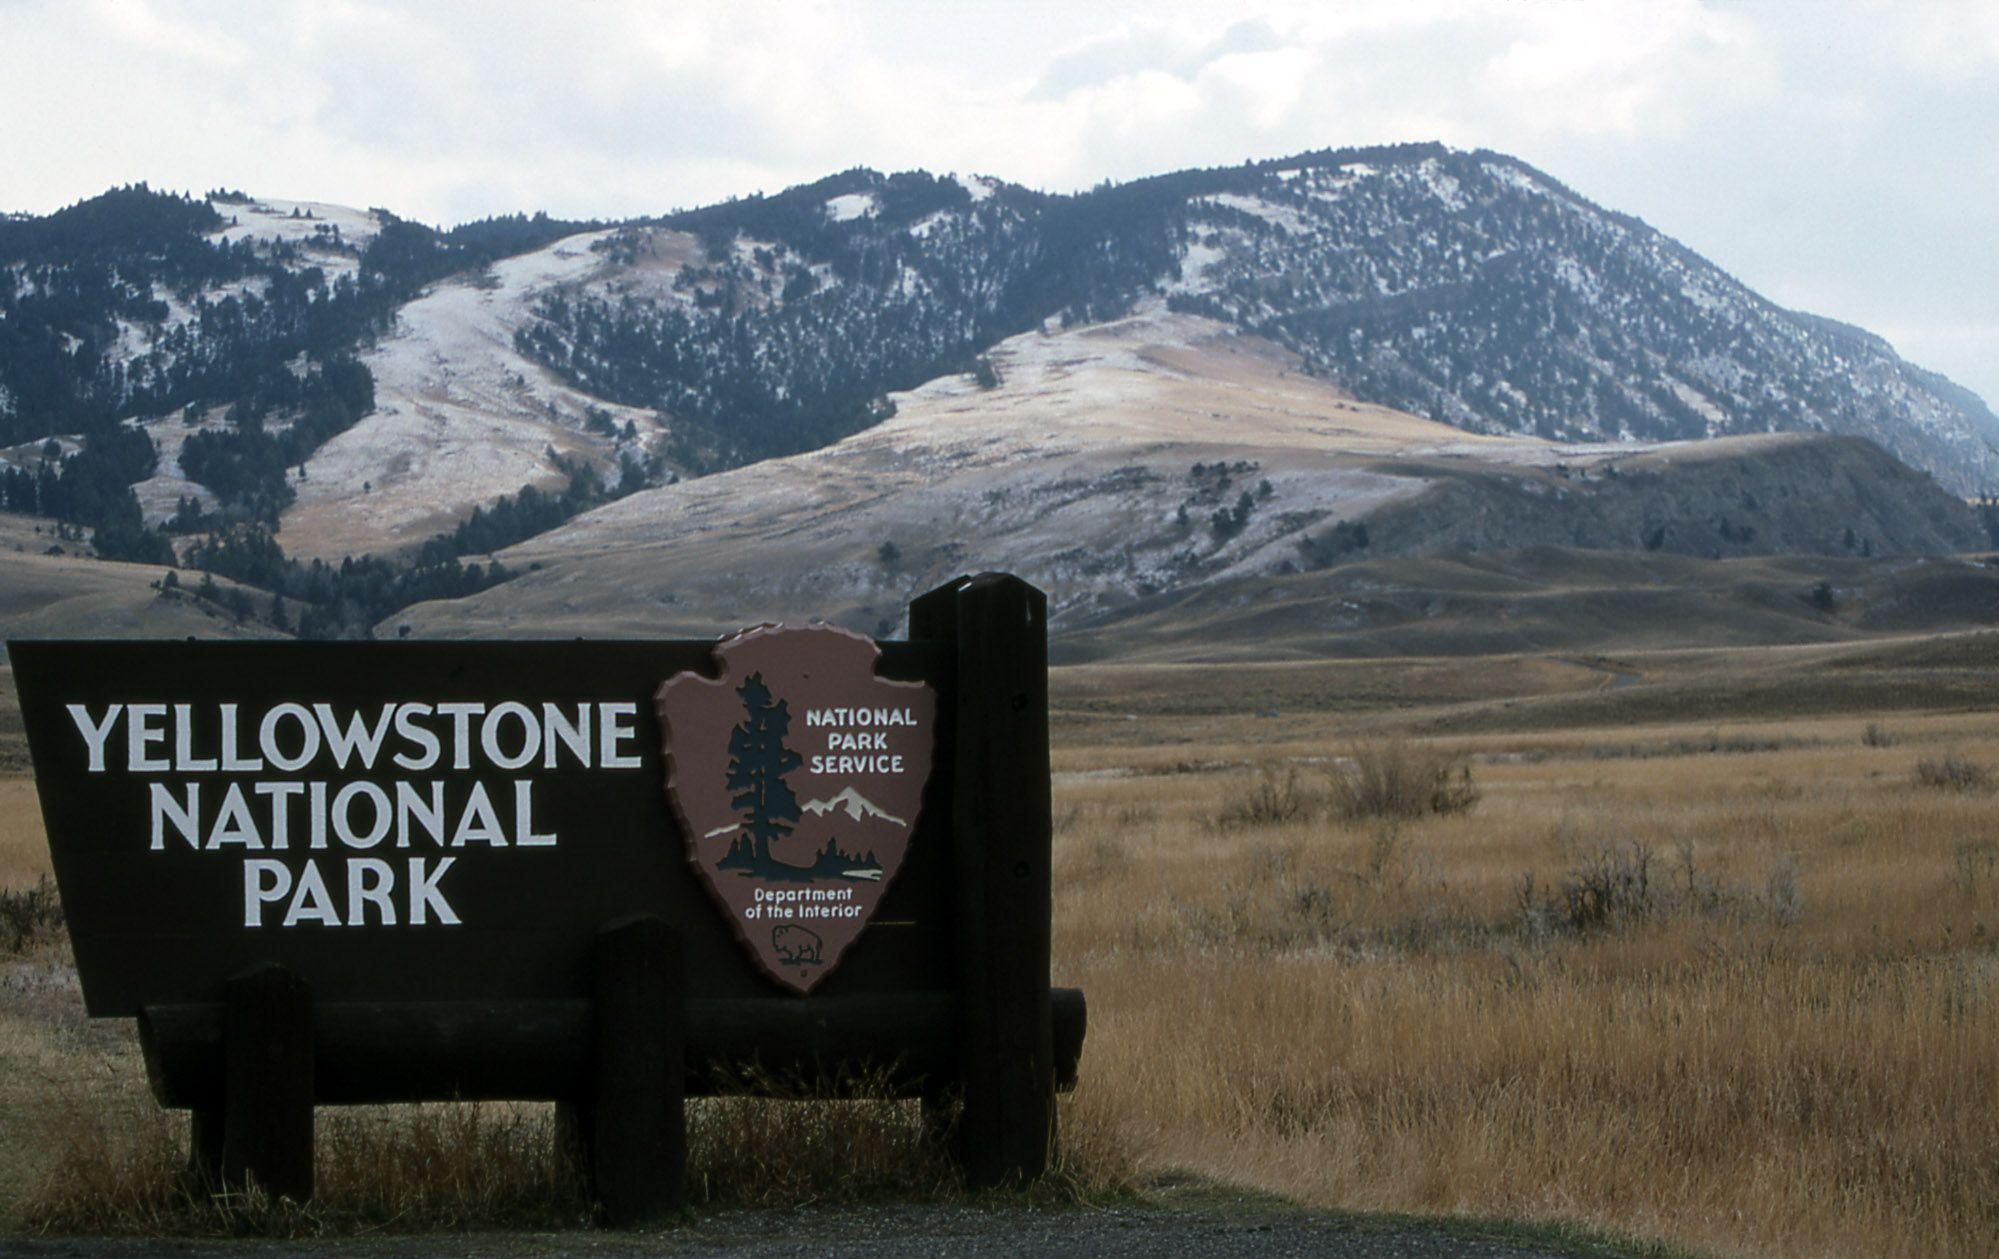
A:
[758,762]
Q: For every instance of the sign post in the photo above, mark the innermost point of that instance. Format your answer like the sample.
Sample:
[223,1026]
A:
[606,874]
[1003,834]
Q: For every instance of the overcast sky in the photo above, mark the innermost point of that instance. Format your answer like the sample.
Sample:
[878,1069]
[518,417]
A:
[1841,156]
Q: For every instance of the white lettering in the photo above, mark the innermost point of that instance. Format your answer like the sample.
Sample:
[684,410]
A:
[461,731]
[343,819]
[316,810]
[233,823]
[233,761]
[184,758]
[363,892]
[556,728]
[356,736]
[420,736]
[822,764]
[167,809]
[424,895]
[267,737]
[94,735]
[257,892]
[280,795]
[524,832]
[311,902]
[478,824]
[489,735]
[140,734]
[412,807]
[617,729]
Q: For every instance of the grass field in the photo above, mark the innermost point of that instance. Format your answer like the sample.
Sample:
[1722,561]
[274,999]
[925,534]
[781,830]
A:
[1713,958]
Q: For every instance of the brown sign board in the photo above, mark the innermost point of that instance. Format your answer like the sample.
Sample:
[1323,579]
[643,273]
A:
[455,821]
[327,873]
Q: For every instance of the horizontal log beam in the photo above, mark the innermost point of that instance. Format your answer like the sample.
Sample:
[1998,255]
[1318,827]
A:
[366,1053]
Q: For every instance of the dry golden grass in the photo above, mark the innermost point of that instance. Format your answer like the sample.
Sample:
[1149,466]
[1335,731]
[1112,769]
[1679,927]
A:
[1789,1046]
[24,854]
[1784,1041]
[118,1167]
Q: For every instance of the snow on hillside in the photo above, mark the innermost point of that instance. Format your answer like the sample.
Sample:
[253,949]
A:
[852,206]
[460,418]
[269,218]
[1095,469]
[1476,290]
[331,236]
[160,495]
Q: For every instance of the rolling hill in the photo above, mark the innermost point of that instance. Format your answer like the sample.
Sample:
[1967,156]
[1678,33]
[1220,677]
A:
[1123,465]
[817,401]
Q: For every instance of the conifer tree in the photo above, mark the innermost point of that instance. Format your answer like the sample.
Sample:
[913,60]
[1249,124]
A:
[758,761]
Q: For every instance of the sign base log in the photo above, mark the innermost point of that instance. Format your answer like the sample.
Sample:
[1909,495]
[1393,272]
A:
[267,1083]
[636,1131]
[368,1053]
[1002,836]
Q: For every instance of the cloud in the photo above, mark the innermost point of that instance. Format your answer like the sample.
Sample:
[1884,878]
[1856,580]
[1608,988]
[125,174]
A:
[1627,70]
[1137,49]
[434,106]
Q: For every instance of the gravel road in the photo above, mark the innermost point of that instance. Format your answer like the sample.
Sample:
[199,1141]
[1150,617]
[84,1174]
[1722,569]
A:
[1216,1224]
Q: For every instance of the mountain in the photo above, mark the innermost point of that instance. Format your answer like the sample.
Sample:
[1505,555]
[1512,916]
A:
[1197,379]
[1115,464]
[1468,288]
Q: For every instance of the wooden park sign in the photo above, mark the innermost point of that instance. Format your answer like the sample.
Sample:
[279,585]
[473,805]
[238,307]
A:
[606,874]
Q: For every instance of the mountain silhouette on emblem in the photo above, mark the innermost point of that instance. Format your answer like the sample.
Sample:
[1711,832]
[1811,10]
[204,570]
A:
[854,804]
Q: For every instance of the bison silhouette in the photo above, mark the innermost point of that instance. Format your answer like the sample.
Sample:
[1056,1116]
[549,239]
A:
[795,945]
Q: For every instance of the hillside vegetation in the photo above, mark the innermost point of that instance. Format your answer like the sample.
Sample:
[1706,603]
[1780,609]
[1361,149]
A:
[349,410]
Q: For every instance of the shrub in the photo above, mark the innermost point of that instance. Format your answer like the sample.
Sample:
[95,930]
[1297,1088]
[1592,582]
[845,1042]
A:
[29,916]
[1609,888]
[1951,772]
[1877,736]
[1390,779]
[1974,861]
[1617,885]
[1273,799]
[1781,898]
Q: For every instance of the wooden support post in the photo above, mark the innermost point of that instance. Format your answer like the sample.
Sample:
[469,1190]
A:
[1002,837]
[637,1129]
[937,1112]
[574,1139]
[267,1083]
[204,1148]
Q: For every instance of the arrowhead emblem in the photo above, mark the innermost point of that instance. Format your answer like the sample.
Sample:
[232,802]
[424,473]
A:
[796,777]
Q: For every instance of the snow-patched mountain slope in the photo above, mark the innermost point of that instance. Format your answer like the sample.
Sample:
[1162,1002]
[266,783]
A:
[1468,288]
[330,236]
[1476,290]
[1111,462]
[461,418]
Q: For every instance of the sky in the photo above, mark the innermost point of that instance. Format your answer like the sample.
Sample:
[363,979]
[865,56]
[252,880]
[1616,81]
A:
[1840,156]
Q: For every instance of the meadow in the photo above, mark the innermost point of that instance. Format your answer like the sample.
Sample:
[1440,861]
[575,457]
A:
[1691,947]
